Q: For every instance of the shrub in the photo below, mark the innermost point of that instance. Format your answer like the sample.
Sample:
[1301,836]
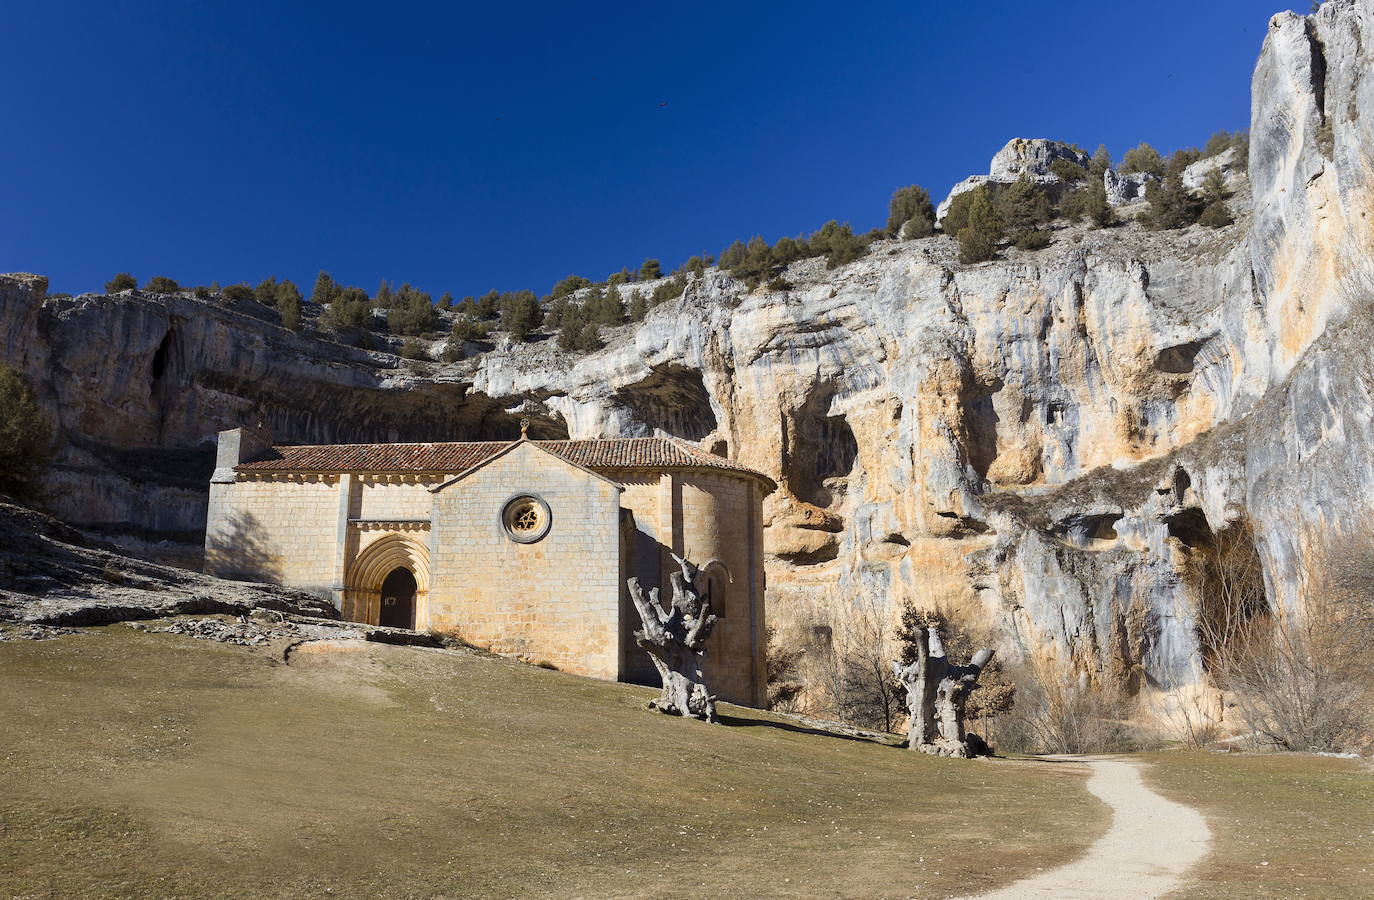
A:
[698,264]
[201,292]
[956,217]
[350,309]
[838,242]
[754,264]
[237,292]
[520,314]
[650,270]
[1089,202]
[605,307]
[668,290]
[1143,158]
[779,284]
[589,338]
[1022,207]
[287,299]
[568,286]
[1216,214]
[1182,159]
[121,282]
[467,328]
[25,438]
[1068,171]
[414,348]
[453,351]
[488,305]
[978,239]
[1059,711]
[910,212]
[1171,204]
[1302,680]
[161,285]
[639,308]
[412,312]
[446,301]
[383,298]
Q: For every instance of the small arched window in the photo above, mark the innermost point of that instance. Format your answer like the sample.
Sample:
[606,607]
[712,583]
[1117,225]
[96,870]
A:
[717,581]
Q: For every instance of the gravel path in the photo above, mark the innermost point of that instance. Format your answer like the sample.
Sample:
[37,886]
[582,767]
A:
[1151,844]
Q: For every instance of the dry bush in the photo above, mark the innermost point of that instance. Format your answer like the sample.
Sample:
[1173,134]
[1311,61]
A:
[1300,679]
[785,678]
[847,671]
[1060,711]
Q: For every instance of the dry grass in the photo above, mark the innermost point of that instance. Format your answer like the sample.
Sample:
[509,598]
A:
[156,765]
[1283,825]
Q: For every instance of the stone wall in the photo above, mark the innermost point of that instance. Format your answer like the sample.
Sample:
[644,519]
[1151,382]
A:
[281,528]
[556,599]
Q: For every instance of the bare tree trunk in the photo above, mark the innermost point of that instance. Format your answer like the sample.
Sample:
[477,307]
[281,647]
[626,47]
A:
[936,693]
[676,642]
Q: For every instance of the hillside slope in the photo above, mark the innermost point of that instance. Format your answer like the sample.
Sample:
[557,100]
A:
[204,770]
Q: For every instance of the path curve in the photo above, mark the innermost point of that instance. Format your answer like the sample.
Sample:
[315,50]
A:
[1151,843]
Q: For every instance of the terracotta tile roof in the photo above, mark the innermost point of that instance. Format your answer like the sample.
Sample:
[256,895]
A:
[459,456]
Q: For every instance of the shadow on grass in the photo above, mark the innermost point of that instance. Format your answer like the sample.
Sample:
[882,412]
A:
[738,722]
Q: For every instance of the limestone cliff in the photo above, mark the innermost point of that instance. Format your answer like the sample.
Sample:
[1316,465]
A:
[1039,436]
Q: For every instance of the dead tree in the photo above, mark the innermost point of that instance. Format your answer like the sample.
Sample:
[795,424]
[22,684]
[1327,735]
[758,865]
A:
[676,642]
[935,695]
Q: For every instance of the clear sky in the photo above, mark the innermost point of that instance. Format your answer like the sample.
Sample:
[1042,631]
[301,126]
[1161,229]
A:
[465,147]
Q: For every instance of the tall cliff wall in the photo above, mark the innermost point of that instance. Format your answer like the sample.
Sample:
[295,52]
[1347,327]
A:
[1040,437]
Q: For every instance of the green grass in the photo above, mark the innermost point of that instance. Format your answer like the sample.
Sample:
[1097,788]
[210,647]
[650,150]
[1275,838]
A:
[1283,825]
[156,765]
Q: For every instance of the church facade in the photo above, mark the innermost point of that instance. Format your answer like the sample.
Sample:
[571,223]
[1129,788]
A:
[522,547]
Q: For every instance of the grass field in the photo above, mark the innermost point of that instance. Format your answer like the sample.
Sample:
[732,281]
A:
[139,764]
[1283,825]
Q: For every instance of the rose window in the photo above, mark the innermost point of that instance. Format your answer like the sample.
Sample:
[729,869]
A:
[526,519]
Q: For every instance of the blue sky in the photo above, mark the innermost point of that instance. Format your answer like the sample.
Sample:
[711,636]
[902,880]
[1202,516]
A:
[468,147]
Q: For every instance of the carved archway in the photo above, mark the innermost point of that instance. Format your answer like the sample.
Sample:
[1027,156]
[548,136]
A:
[363,582]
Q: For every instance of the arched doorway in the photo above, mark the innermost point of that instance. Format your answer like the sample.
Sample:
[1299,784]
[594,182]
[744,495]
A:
[398,599]
[367,581]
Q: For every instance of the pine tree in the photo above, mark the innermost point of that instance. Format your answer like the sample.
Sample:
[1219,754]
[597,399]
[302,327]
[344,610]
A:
[384,297]
[325,290]
[266,291]
[1022,208]
[569,286]
[488,305]
[639,308]
[1089,202]
[287,299]
[1142,158]
[1171,205]
[978,239]
[121,282]
[520,314]
[838,242]
[1215,214]
[910,213]
[650,270]
[446,301]
[1101,162]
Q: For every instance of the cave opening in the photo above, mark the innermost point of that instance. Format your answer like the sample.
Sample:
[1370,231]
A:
[162,355]
[1178,360]
[672,399]
[819,450]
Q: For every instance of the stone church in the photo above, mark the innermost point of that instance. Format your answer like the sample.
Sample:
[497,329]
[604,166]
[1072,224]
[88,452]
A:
[523,547]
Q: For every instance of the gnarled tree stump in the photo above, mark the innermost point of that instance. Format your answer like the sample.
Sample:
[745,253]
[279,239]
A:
[676,642]
[935,695]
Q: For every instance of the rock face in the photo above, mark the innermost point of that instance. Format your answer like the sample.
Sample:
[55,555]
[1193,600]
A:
[1030,157]
[1038,438]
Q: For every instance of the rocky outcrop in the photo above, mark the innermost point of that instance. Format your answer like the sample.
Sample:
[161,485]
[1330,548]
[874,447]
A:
[50,575]
[1021,157]
[1040,438]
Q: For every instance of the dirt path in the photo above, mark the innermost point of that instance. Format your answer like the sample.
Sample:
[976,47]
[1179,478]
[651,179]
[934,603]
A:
[1152,842]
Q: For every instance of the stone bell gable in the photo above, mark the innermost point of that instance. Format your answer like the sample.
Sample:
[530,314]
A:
[528,557]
